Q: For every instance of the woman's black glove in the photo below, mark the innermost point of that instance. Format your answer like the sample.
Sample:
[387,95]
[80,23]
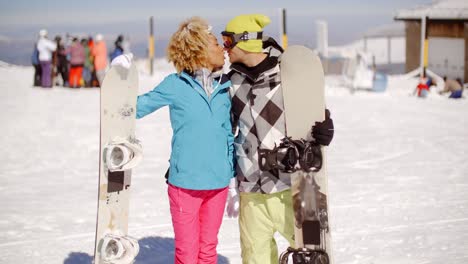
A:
[322,132]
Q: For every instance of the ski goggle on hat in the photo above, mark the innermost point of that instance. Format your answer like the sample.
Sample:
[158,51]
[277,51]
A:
[245,32]
[230,39]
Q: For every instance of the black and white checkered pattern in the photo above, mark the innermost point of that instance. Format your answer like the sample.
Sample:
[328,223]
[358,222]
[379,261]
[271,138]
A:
[258,112]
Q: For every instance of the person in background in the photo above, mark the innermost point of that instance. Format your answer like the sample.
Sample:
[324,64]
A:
[266,205]
[94,81]
[45,48]
[88,64]
[99,52]
[37,66]
[201,164]
[54,72]
[118,47]
[77,60]
[424,85]
[422,89]
[454,87]
[62,61]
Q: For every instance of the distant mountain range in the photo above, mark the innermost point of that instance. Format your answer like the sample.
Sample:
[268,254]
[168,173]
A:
[16,43]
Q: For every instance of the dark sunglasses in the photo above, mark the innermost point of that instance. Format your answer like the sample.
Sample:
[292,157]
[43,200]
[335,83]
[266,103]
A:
[230,39]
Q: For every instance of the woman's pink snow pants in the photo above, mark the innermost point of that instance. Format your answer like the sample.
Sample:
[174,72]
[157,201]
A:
[196,218]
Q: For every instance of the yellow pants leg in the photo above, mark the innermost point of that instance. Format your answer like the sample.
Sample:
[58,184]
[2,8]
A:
[261,215]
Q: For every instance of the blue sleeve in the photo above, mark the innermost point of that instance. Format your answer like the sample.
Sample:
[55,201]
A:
[151,101]
[228,127]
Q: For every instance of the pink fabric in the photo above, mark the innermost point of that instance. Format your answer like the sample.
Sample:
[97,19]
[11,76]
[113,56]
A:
[77,54]
[196,218]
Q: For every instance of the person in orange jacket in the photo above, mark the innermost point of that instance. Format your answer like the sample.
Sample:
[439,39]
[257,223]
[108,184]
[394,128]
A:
[99,52]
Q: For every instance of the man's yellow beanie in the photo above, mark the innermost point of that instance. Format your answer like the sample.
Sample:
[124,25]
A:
[249,23]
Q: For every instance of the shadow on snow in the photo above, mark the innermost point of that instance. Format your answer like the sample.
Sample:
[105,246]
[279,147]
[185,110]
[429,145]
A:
[153,250]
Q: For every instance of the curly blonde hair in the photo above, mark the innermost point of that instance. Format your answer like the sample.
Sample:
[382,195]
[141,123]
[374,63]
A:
[187,49]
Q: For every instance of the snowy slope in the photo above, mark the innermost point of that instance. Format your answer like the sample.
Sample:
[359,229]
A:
[398,176]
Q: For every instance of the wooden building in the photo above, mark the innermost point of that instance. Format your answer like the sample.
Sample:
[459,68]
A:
[446,37]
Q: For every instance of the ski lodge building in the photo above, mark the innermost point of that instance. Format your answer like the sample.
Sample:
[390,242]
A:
[387,45]
[446,37]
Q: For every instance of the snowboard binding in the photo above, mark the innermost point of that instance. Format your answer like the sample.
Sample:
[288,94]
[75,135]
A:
[118,249]
[291,155]
[305,256]
[122,154]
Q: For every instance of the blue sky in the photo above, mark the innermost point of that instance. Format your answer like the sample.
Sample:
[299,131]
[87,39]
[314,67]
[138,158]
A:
[20,20]
[46,12]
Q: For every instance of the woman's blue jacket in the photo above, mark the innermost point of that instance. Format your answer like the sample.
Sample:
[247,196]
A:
[202,140]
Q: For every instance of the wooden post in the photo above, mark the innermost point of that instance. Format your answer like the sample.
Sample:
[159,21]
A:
[283,29]
[424,46]
[389,52]
[151,46]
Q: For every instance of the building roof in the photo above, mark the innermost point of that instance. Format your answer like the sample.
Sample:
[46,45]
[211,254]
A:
[442,9]
[389,30]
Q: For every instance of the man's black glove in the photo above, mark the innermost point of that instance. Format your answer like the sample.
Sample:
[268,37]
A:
[322,132]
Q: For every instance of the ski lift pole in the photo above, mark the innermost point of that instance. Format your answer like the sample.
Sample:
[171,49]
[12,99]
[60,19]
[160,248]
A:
[284,35]
[151,46]
[424,46]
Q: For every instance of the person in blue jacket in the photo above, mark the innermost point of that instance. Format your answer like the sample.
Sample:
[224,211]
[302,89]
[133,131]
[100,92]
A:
[201,163]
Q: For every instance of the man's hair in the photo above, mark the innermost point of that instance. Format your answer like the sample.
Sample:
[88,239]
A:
[187,49]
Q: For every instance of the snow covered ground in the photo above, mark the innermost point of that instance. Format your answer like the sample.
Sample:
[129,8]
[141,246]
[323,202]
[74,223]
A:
[398,176]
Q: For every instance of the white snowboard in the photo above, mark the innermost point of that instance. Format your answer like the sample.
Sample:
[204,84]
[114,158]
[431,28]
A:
[118,109]
[302,80]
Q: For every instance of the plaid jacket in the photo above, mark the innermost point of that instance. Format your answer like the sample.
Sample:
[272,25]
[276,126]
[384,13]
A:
[257,111]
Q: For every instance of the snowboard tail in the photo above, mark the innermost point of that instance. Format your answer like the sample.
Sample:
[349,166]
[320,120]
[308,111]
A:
[311,232]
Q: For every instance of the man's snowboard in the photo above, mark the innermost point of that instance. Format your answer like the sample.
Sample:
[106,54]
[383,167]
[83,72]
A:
[302,80]
[119,152]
